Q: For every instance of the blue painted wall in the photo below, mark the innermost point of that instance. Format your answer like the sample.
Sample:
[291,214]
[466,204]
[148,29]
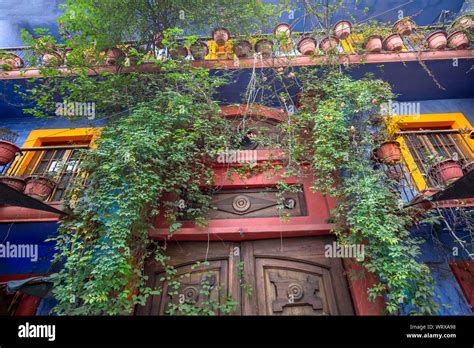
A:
[28,233]
[24,125]
[438,250]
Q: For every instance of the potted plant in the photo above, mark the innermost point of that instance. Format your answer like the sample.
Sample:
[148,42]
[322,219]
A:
[178,52]
[437,40]
[465,22]
[265,47]
[8,149]
[342,29]
[368,36]
[444,170]
[220,36]
[51,59]
[283,35]
[458,40]
[403,26]
[374,43]
[39,186]
[307,46]
[389,152]
[10,61]
[329,43]
[199,50]
[113,55]
[242,48]
[393,42]
[282,30]
[14,182]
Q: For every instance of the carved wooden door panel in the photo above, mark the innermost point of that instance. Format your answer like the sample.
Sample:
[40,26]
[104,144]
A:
[265,277]
[292,277]
[212,282]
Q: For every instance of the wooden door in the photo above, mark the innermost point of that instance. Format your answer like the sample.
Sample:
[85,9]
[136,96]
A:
[215,275]
[292,277]
[265,277]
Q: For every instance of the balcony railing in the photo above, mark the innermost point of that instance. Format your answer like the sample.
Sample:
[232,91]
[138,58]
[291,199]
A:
[422,144]
[60,163]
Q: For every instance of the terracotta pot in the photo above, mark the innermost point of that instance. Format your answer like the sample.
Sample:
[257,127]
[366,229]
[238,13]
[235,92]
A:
[8,151]
[179,52]
[374,43]
[329,43]
[403,26]
[447,171]
[265,47]
[39,187]
[14,182]
[465,22]
[12,61]
[112,56]
[458,40]
[282,30]
[199,50]
[221,36]
[389,152]
[393,42]
[242,48]
[52,59]
[342,29]
[307,46]
[468,167]
[437,40]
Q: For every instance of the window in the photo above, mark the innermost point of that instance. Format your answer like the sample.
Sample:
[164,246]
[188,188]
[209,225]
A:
[445,142]
[55,153]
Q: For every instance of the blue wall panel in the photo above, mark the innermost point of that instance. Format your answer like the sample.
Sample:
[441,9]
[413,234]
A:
[28,233]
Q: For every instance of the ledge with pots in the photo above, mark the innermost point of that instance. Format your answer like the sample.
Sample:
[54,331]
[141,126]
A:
[249,63]
[403,42]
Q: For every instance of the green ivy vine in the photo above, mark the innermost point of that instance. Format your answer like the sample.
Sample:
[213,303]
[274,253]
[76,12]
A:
[341,113]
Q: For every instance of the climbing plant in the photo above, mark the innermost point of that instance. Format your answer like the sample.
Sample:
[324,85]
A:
[148,160]
[155,152]
[342,114]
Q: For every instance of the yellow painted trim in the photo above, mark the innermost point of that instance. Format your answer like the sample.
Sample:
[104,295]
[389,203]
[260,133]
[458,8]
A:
[454,120]
[39,136]
[60,135]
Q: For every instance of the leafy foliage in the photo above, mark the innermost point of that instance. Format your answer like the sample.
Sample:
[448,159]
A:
[142,163]
[340,112]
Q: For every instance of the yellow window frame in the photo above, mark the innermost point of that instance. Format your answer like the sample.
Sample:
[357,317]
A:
[455,120]
[38,137]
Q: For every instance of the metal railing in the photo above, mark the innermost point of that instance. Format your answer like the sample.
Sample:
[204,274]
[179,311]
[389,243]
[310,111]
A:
[424,145]
[59,163]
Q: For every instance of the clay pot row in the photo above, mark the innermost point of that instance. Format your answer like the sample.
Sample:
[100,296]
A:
[307,45]
[35,186]
[445,172]
[436,40]
[198,50]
